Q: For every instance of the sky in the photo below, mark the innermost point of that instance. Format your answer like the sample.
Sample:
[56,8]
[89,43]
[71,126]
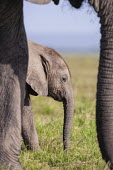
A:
[63,27]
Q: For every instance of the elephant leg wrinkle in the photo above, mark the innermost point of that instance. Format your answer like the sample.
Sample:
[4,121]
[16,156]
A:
[13,70]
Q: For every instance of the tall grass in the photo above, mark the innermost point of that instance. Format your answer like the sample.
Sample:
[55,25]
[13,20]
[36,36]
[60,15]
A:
[84,153]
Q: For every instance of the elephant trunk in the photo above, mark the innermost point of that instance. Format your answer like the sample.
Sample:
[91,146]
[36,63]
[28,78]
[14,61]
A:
[68,104]
[104,105]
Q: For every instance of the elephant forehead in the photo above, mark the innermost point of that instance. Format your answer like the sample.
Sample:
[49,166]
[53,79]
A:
[62,67]
[58,61]
[63,71]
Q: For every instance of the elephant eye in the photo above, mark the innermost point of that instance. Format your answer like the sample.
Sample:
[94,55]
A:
[64,78]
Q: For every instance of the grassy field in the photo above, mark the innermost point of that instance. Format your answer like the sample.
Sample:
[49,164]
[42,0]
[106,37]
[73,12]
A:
[84,153]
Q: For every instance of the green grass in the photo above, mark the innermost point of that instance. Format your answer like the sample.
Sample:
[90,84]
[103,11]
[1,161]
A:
[84,153]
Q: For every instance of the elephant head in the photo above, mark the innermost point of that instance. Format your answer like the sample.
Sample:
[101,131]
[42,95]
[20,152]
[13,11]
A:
[48,75]
[104,104]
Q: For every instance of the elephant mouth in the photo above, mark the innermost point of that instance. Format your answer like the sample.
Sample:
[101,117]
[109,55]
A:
[56,96]
[58,99]
[56,2]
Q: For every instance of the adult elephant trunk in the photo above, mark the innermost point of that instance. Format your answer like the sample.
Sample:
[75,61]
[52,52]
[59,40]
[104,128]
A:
[68,104]
[104,107]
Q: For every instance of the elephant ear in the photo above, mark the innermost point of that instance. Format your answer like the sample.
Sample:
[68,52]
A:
[39,1]
[95,4]
[37,77]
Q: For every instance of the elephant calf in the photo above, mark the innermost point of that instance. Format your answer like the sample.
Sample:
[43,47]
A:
[48,75]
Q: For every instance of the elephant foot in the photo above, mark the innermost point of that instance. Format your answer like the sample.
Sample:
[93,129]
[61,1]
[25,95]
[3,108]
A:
[9,166]
[33,147]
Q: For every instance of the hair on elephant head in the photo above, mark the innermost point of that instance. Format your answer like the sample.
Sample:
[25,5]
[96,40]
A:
[104,102]
[48,75]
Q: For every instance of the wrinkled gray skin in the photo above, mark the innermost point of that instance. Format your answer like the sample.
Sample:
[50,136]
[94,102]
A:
[48,75]
[104,105]
[13,72]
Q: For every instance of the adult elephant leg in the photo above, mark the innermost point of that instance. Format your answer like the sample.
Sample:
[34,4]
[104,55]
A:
[104,115]
[29,133]
[10,120]
[12,85]
[13,70]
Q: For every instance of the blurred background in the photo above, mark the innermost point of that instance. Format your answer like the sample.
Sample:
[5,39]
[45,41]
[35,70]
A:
[62,27]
